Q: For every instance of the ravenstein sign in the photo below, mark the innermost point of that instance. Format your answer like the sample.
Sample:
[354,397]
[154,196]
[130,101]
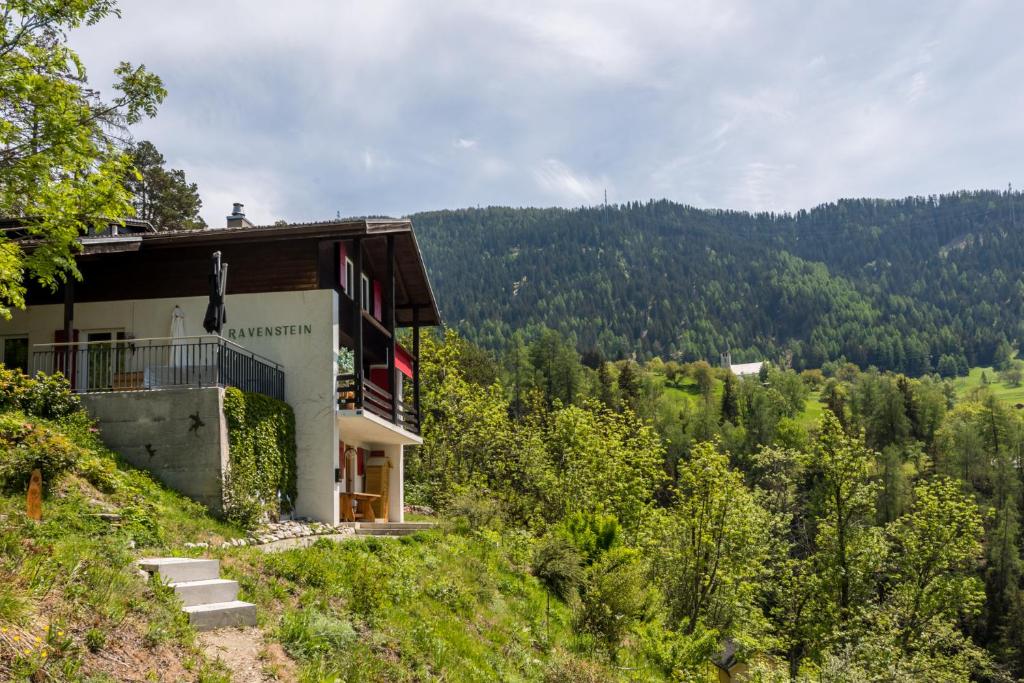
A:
[295,330]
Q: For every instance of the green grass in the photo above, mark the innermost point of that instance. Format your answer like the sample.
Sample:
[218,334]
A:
[683,392]
[813,409]
[72,605]
[438,605]
[450,604]
[1005,392]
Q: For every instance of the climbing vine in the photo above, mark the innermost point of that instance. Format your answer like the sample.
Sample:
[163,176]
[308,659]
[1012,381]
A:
[261,472]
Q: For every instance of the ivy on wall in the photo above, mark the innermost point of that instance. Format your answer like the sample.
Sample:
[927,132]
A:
[261,440]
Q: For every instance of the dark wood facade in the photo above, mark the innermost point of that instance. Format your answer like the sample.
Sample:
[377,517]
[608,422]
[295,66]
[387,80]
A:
[275,259]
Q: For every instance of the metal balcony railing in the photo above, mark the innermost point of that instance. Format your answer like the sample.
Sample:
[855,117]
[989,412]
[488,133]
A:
[159,363]
[355,393]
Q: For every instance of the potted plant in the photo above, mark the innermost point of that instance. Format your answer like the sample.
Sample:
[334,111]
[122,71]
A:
[346,364]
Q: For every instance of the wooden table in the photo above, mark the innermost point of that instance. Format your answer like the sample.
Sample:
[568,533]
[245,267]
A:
[363,500]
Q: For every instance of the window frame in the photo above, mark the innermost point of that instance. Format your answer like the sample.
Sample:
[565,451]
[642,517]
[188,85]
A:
[366,294]
[3,351]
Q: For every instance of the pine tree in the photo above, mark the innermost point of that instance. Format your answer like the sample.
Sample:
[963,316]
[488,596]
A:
[161,196]
[730,400]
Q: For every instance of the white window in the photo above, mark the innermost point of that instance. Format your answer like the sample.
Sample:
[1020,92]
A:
[350,271]
[366,293]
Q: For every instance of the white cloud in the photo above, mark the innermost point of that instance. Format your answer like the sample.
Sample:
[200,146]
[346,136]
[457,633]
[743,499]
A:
[918,87]
[559,180]
[395,106]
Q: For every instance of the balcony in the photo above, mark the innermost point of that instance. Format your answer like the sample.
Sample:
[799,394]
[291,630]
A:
[159,363]
[359,393]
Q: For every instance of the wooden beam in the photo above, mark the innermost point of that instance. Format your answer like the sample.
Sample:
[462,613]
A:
[69,310]
[416,365]
[357,315]
[389,323]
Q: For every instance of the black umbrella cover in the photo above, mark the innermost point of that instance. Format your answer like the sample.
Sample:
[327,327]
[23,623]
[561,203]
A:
[216,312]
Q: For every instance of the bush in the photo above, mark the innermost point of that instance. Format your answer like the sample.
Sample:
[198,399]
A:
[473,510]
[47,396]
[592,533]
[311,633]
[370,586]
[566,668]
[25,446]
[95,639]
[557,565]
[613,598]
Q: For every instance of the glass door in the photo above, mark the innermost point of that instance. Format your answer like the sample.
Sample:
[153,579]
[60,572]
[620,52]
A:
[103,360]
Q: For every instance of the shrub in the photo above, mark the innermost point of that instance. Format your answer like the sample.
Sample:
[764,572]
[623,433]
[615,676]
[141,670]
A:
[593,534]
[451,595]
[473,510]
[310,633]
[95,639]
[25,446]
[47,396]
[370,586]
[613,598]
[557,565]
[566,668]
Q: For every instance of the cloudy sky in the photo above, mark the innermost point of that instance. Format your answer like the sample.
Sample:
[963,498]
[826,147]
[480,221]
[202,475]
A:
[304,109]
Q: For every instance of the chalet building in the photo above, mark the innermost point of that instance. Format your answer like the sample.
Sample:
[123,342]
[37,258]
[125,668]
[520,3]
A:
[313,313]
[740,369]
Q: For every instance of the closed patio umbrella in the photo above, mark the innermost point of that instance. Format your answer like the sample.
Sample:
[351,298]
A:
[216,314]
[178,341]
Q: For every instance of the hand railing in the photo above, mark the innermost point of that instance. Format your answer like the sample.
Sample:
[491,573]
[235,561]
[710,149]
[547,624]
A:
[159,363]
[356,393]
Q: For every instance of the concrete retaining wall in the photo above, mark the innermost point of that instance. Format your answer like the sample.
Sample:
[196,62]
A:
[179,435]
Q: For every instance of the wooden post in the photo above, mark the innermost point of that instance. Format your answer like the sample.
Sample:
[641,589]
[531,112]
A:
[389,323]
[34,501]
[69,330]
[416,364]
[357,317]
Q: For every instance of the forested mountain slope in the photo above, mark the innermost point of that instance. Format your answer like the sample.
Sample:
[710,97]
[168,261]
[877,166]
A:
[893,283]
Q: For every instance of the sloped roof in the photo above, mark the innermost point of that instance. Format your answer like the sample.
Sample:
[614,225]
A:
[741,369]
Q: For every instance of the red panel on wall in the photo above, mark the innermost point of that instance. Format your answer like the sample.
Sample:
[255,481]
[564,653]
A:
[379,376]
[403,361]
[377,299]
[360,461]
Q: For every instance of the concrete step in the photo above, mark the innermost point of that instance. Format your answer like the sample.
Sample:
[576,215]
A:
[221,615]
[205,592]
[180,569]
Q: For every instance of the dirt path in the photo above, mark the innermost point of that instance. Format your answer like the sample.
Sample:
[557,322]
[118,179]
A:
[249,659]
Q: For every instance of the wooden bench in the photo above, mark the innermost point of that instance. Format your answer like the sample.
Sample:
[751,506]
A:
[364,502]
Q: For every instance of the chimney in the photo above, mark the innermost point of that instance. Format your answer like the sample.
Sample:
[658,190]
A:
[237,218]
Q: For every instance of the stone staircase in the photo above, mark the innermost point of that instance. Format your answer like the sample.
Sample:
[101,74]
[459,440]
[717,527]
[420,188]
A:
[390,529]
[210,601]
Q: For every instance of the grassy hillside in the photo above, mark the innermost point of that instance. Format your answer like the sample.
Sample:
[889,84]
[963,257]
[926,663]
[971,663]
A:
[72,605]
[451,604]
[1002,390]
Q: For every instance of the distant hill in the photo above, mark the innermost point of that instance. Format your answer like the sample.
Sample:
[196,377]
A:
[893,283]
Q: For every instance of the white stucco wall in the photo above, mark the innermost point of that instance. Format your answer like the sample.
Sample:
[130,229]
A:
[307,354]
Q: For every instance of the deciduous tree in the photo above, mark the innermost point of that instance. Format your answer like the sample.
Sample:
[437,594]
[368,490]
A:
[62,167]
